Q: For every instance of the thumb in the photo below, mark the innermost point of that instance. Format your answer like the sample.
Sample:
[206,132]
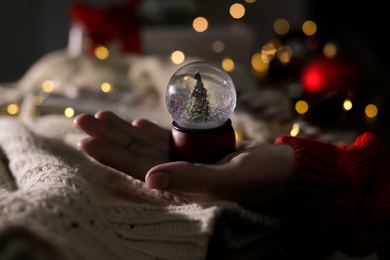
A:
[187,178]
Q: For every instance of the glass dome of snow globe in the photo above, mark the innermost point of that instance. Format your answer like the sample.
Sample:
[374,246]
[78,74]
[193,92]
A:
[200,96]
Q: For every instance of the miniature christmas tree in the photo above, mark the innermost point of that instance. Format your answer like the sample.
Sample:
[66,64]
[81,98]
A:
[198,109]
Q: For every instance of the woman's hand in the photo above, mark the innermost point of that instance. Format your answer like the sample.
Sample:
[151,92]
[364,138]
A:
[254,176]
[132,148]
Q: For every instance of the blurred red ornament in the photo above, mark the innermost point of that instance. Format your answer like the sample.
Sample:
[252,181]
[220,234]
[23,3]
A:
[117,23]
[327,83]
[338,75]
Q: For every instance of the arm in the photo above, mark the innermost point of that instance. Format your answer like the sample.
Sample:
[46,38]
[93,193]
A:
[345,188]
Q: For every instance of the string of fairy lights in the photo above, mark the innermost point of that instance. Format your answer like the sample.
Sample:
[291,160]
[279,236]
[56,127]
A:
[260,61]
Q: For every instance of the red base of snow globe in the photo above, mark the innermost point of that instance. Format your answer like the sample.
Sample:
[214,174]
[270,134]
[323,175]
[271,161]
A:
[202,146]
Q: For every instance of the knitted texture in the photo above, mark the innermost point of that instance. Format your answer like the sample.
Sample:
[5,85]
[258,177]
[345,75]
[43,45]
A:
[57,203]
[346,188]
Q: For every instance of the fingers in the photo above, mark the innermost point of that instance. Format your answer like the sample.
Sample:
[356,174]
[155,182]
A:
[131,163]
[151,127]
[196,182]
[145,130]
[119,132]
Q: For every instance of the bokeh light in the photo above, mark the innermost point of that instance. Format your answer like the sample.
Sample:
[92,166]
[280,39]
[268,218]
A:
[330,50]
[237,11]
[218,46]
[106,87]
[13,109]
[371,111]
[238,135]
[177,57]
[295,129]
[102,53]
[48,86]
[281,26]
[285,54]
[200,24]
[228,64]
[69,112]
[301,107]
[347,104]
[258,63]
[309,28]
[38,100]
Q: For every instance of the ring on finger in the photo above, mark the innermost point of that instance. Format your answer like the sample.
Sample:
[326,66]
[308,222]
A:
[129,143]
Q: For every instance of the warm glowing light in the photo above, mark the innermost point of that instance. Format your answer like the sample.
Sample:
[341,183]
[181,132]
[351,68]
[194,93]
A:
[178,57]
[48,86]
[102,53]
[258,63]
[347,104]
[295,129]
[268,52]
[301,107]
[218,46]
[309,28]
[281,26]
[228,64]
[285,54]
[238,135]
[13,109]
[237,11]
[38,100]
[330,50]
[250,1]
[200,24]
[69,112]
[371,111]
[106,87]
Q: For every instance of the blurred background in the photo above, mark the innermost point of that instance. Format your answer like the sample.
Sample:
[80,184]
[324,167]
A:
[330,60]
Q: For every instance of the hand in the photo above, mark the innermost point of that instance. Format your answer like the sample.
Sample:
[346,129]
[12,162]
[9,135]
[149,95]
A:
[254,176]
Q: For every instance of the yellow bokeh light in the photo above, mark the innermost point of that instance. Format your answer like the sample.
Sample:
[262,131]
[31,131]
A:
[237,11]
[238,135]
[330,50]
[347,104]
[258,63]
[177,57]
[295,129]
[13,109]
[250,1]
[268,52]
[106,87]
[228,64]
[48,86]
[281,26]
[69,112]
[200,24]
[371,111]
[301,107]
[102,53]
[309,28]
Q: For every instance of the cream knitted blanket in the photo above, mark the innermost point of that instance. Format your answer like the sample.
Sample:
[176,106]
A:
[57,203]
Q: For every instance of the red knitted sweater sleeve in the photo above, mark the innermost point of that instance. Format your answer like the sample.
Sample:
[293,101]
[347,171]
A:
[345,188]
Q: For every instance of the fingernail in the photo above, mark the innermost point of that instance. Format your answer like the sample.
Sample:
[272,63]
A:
[158,180]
